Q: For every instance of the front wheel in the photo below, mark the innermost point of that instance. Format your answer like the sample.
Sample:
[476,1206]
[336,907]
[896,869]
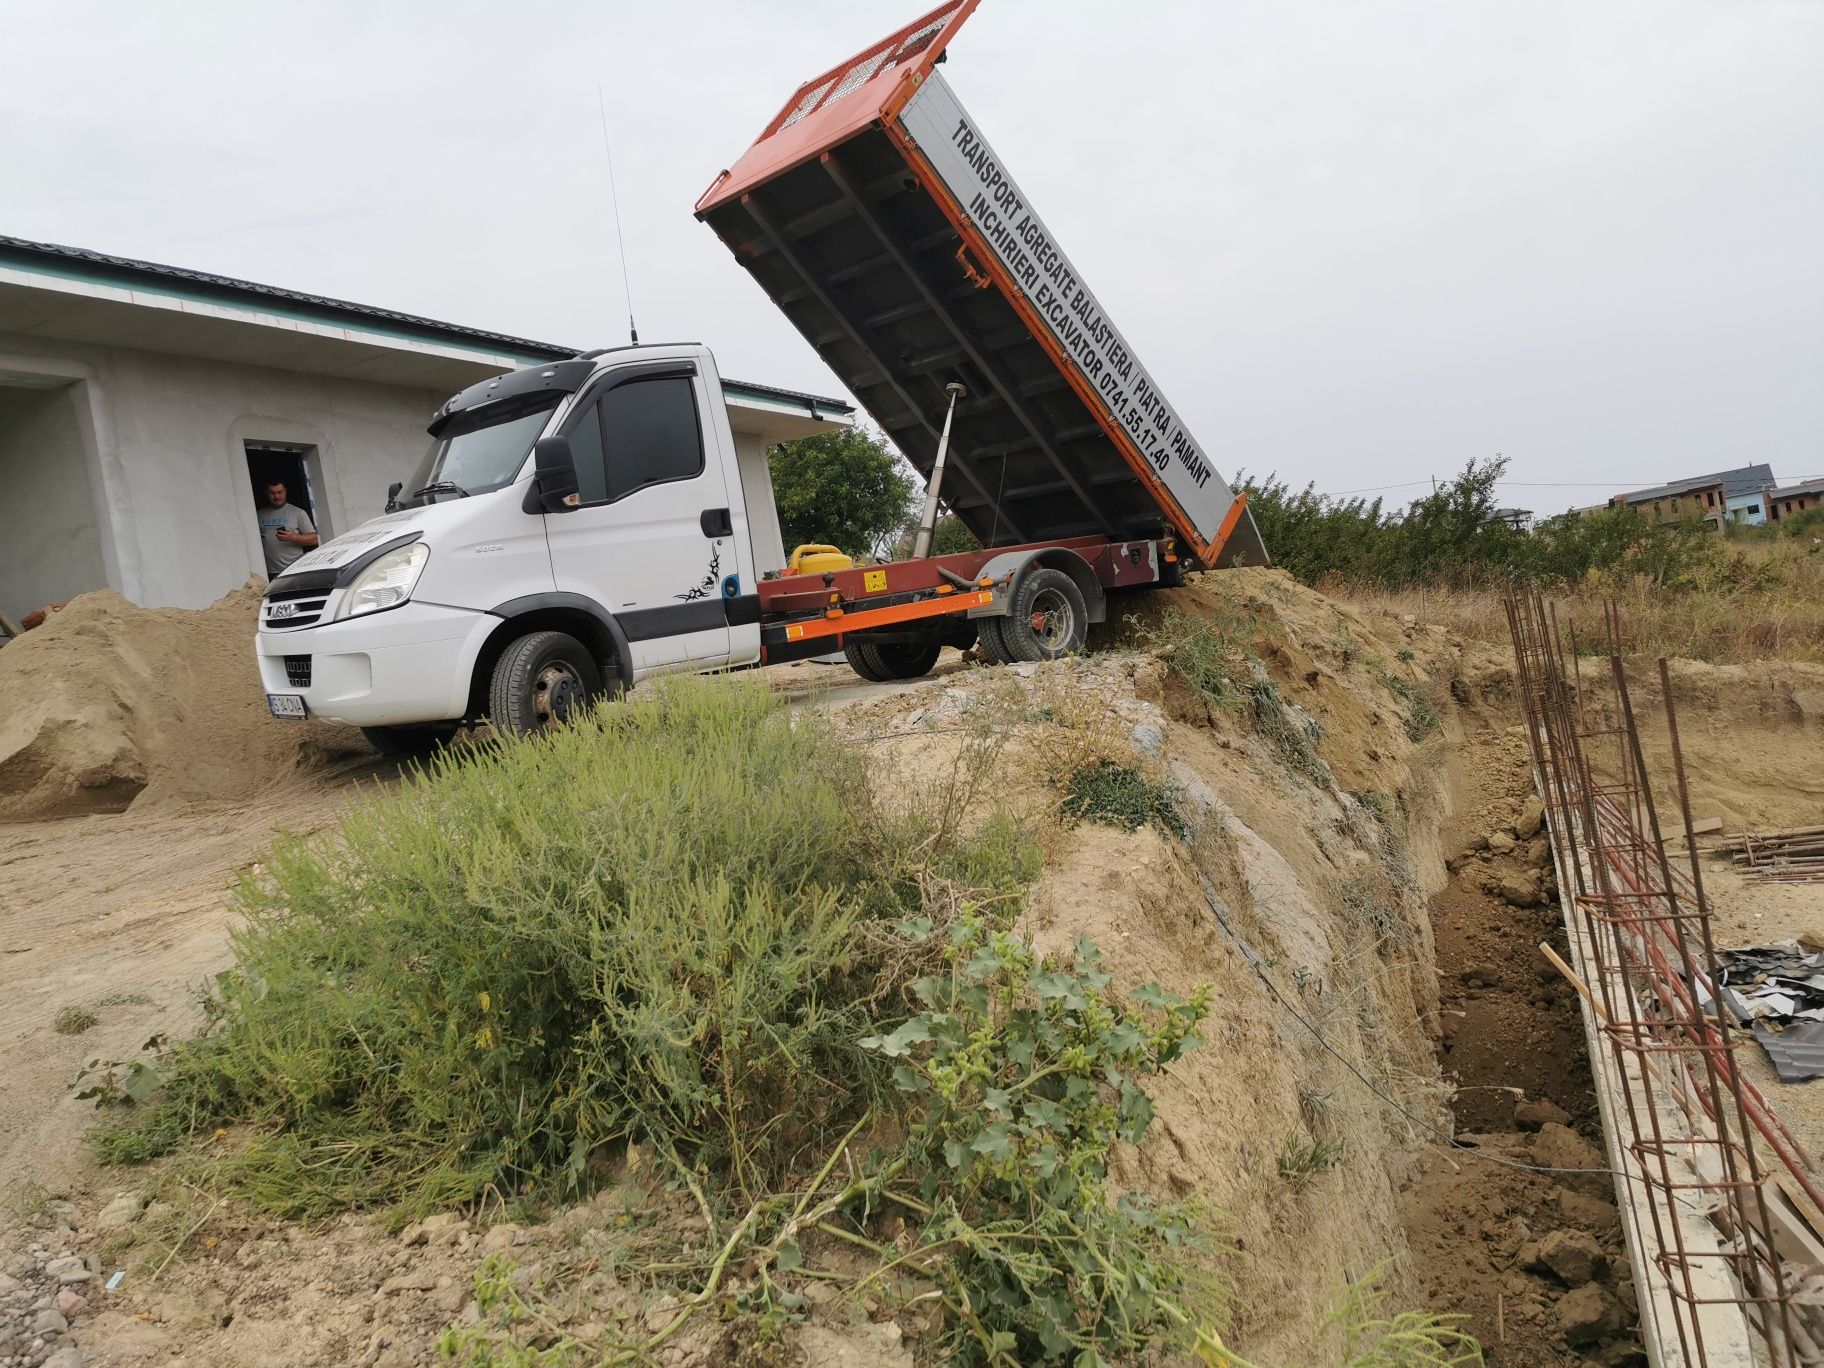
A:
[410,743]
[542,681]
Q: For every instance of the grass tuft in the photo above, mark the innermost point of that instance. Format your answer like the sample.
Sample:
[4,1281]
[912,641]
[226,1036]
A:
[1421,713]
[74,1020]
[1375,1337]
[1213,658]
[1118,795]
[1305,1157]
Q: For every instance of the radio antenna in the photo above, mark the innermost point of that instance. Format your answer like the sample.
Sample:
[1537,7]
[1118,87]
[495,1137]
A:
[601,104]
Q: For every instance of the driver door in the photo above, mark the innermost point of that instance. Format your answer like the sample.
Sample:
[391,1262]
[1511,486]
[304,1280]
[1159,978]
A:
[643,542]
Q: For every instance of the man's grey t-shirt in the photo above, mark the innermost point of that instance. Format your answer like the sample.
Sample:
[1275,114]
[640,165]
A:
[288,518]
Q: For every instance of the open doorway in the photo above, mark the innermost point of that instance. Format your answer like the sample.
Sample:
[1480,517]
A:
[51,539]
[293,524]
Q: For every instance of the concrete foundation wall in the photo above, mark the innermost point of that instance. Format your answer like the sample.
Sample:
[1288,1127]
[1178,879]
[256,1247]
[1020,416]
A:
[50,538]
[168,437]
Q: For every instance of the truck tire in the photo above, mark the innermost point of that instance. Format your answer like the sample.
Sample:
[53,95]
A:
[863,661]
[540,682]
[993,642]
[1049,618]
[882,661]
[410,743]
[906,659]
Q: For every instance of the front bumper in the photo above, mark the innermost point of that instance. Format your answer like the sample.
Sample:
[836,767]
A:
[408,664]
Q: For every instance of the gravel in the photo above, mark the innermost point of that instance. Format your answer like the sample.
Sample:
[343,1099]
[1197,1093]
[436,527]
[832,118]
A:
[41,1300]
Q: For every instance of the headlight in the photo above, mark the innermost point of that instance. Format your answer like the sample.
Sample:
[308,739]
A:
[387,583]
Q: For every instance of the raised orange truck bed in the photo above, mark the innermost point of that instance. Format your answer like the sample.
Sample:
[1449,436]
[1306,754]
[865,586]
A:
[875,214]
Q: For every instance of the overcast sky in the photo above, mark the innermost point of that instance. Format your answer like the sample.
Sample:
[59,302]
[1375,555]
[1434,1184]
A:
[1357,241]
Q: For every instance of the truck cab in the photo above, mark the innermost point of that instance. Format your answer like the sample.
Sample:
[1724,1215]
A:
[573,528]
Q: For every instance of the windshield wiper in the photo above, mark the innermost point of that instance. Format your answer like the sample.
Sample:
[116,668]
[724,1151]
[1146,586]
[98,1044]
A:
[440,487]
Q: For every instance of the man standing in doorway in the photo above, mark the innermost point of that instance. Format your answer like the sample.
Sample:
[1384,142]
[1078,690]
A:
[286,531]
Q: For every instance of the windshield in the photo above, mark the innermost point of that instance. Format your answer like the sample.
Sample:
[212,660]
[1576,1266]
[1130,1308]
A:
[481,450]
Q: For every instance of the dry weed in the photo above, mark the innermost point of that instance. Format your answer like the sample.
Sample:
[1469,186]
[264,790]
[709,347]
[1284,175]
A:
[1764,601]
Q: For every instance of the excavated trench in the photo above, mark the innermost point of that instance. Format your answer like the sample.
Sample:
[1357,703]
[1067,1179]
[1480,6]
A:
[1534,1259]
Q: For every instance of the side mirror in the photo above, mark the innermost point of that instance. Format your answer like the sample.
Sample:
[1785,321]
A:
[392,495]
[555,477]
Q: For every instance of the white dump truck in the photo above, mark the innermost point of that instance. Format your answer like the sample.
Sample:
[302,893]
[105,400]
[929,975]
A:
[580,525]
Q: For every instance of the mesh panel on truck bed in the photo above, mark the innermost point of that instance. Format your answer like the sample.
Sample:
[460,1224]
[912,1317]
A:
[904,279]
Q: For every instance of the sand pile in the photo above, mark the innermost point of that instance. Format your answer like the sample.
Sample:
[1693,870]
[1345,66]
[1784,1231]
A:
[109,704]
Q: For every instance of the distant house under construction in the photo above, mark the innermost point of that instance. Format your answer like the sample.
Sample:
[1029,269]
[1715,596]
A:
[1738,496]
[1794,499]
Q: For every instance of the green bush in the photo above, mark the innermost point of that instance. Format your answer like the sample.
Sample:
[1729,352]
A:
[1810,523]
[644,928]
[1012,1087]
[1452,537]
[1028,1074]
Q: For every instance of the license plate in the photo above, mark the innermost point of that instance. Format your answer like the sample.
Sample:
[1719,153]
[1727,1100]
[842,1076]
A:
[286,705]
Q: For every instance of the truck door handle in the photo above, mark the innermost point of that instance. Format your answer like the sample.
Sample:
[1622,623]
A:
[717,523]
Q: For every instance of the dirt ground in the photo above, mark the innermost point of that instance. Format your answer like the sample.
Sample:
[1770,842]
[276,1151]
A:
[120,914]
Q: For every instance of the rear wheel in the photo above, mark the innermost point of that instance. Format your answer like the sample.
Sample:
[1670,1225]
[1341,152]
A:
[542,681]
[989,637]
[906,659]
[878,662]
[1049,617]
[410,743]
[863,661]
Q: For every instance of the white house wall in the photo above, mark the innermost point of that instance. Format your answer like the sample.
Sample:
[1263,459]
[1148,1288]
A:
[762,511]
[50,536]
[169,434]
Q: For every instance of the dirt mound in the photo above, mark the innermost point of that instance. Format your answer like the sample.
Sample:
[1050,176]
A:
[109,704]
[1751,737]
[1320,871]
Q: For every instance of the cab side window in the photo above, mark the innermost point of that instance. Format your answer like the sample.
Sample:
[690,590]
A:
[586,451]
[650,431]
